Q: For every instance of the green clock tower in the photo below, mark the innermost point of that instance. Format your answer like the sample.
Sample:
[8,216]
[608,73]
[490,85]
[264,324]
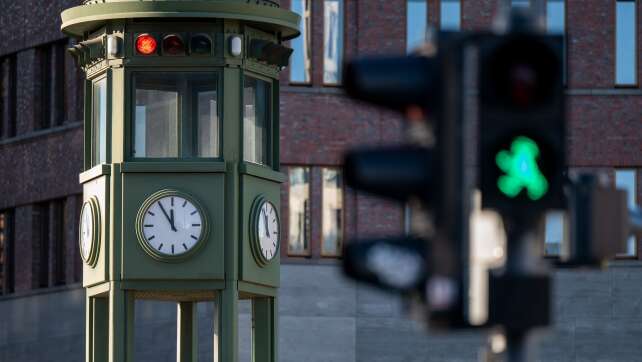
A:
[181,182]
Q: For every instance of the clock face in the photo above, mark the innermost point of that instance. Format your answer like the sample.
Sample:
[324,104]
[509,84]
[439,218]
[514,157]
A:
[172,225]
[86,231]
[267,229]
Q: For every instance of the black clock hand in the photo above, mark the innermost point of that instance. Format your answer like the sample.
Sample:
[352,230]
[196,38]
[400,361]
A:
[267,231]
[170,220]
[171,213]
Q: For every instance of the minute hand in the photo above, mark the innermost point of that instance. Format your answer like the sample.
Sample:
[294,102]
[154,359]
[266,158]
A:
[170,220]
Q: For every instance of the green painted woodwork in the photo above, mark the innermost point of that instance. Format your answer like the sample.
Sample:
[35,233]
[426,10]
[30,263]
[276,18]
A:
[97,189]
[205,189]
[223,268]
[78,20]
[253,187]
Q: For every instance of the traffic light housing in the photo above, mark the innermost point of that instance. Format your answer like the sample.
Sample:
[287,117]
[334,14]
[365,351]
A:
[522,123]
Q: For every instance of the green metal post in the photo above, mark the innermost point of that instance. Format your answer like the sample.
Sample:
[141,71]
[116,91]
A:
[186,332]
[263,338]
[100,329]
[121,324]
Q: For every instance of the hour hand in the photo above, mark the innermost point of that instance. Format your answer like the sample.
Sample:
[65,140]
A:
[169,219]
[267,231]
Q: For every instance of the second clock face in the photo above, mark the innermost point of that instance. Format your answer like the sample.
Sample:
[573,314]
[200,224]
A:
[172,225]
[268,230]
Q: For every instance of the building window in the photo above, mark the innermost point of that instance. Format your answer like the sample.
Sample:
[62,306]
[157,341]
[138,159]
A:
[99,122]
[332,41]
[176,115]
[625,180]
[556,22]
[555,233]
[257,100]
[299,211]
[331,212]
[625,43]
[450,16]
[300,59]
[49,221]
[521,3]
[8,87]
[51,86]
[416,23]
[6,253]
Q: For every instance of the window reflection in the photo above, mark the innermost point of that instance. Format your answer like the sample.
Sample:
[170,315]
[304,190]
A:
[176,115]
[625,54]
[332,41]
[625,180]
[332,212]
[300,59]
[299,207]
[99,122]
[450,16]
[256,120]
[416,22]
[554,235]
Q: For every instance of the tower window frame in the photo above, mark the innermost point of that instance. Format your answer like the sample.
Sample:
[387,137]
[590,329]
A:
[187,85]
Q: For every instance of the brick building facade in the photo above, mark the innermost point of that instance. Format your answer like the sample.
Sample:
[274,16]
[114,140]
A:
[41,112]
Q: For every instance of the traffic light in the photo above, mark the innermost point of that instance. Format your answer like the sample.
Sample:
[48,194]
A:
[522,128]
[430,172]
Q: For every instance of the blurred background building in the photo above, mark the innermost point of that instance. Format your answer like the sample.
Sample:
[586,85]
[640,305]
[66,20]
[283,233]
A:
[322,316]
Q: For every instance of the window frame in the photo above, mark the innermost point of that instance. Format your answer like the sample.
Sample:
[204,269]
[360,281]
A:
[272,163]
[306,253]
[410,49]
[340,48]
[461,17]
[306,39]
[8,264]
[182,107]
[636,54]
[636,186]
[341,235]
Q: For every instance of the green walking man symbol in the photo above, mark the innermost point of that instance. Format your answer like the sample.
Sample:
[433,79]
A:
[521,170]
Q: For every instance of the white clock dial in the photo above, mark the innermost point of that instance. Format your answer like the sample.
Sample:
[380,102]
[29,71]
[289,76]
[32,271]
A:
[172,225]
[268,230]
[86,231]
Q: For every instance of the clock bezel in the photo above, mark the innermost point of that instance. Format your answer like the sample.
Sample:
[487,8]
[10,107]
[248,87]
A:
[94,209]
[140,234]
[255,242]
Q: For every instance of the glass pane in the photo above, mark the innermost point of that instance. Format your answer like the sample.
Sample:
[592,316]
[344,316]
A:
[555,17]
[332,212]
[176,115]
[299,239]
[300,60]
[99,123]
[207,127]
[3,256]
[256,120]
[332,41]
[416,22]
[450,15]
[554,233]
[625,54]
[156,117]
[625,180]
[521,3]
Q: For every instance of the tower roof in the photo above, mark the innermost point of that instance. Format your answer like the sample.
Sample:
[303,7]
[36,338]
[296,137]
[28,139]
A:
[265,14]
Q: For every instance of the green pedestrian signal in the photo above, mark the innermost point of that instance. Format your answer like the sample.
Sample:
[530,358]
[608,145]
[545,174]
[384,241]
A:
[521,170]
